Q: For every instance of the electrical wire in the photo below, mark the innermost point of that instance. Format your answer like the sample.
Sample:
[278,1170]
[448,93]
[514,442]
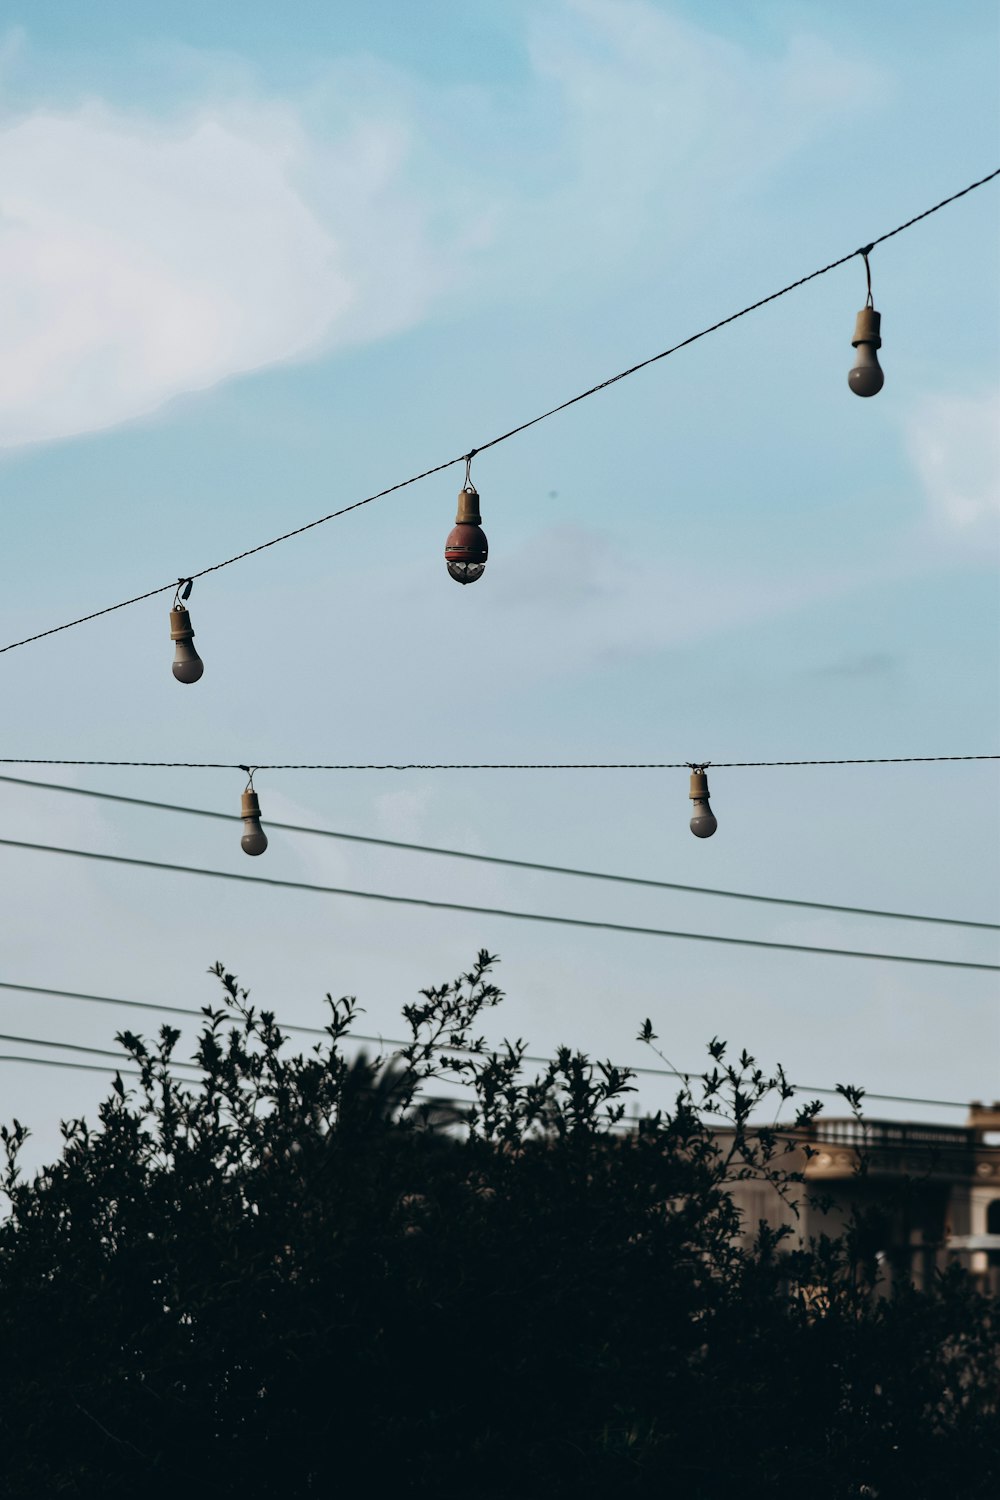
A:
[495,911]
[392,1041]
[494,859]
[870,1141]
[524,765]
[37,1041]
[58,1062]
[159,1007]
[513,431]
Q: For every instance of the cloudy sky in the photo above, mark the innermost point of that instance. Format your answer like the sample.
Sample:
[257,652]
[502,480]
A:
[257,262]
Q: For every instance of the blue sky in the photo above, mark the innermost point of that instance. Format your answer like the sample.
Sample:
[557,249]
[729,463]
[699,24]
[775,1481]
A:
[256,263]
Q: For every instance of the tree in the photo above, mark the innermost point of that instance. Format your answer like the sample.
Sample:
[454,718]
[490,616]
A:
[312,1273]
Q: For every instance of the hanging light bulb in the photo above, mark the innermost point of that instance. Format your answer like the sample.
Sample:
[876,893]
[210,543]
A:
[254,840]
[187,665]
[703,823]
[466,549]
[865,376]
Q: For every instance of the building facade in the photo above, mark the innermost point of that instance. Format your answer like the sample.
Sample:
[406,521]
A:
[927,1194]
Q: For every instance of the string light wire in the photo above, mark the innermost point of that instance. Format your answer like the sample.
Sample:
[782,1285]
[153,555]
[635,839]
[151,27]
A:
[495,911]
[503,437]
[522,765]
[516,864]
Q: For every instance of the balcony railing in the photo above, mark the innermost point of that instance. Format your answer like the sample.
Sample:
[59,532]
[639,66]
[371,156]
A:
[891,1147]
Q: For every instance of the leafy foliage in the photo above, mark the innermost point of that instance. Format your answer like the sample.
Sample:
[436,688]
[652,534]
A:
[314,1272]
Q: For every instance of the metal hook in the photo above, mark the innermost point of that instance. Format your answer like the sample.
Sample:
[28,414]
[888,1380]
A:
[864,252]
[251,772]
[183,591]
[699,767]
[468,471]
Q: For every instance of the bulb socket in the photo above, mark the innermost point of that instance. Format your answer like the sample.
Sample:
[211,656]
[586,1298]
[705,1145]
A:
[251,805]
[866,328]
[181,628]
[468,508]
[699,786]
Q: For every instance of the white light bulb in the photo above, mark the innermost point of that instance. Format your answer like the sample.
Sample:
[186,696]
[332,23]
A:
[703,822]
[866,377]
[254,840]
[187,665]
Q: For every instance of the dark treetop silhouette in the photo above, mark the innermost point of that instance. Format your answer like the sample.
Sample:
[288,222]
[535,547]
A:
[305,1274]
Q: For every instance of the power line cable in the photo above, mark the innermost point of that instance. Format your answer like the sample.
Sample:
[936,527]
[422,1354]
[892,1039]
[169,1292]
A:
[175,1062]
[158,1007]
[493,859]
[38,1041]
[58,1062]
[392,1041]
[869,1142]
[513,431]
[495,911]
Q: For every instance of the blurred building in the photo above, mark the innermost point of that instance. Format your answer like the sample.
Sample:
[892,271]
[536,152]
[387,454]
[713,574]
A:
[928,1193]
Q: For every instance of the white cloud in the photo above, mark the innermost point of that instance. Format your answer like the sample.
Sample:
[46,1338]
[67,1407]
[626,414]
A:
[142,258]
[665,123]
[954,445]
[137,263]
